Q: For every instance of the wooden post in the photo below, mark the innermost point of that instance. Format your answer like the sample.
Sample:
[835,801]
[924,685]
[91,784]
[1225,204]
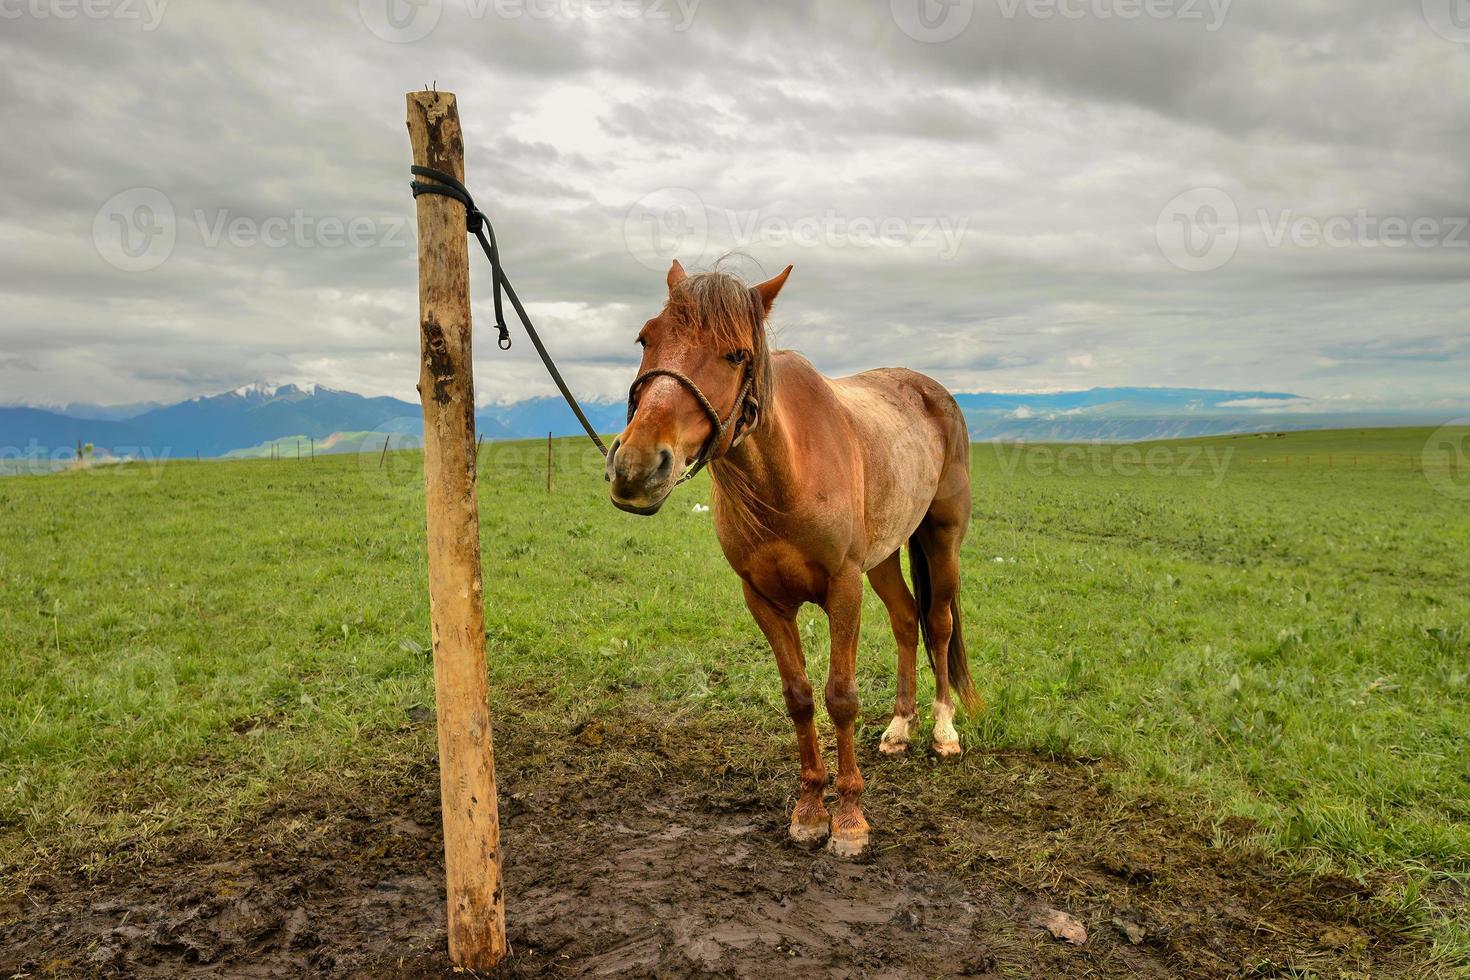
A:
[456,605]
[548,462]
[313,449]
[384,456]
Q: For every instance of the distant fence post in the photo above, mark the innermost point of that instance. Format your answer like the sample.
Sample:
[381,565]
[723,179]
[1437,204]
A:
[548,462]
[456,601]
[383,457]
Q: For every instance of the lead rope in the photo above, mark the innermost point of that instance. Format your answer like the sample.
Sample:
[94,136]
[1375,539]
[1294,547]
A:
[479,226]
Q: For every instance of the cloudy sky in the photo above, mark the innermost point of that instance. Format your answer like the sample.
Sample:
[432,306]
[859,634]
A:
[1006,194]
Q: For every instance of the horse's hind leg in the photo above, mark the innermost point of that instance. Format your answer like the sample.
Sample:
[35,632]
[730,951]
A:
[941,537]
[809,820]
[887,580]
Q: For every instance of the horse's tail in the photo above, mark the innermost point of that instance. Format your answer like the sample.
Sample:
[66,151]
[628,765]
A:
[959,664]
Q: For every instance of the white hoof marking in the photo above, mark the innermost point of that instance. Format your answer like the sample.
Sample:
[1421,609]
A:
[847,847]
[808,835]
[897,737]
[946,739]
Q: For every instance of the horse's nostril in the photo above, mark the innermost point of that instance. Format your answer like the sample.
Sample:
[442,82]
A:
[612,458]
[665,464]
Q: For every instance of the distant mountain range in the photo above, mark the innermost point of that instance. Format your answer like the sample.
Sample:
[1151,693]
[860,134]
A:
[257,415]
[248,420]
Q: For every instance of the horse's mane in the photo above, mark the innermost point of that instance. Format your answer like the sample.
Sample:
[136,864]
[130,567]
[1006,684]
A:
[727,307]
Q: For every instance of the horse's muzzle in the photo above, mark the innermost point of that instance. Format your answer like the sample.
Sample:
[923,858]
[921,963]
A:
[641,479]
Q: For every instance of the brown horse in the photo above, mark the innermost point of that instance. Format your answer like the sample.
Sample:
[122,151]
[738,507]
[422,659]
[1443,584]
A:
[816,482]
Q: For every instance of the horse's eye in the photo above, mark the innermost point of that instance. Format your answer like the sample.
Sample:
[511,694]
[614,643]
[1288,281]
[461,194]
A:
[642,342]
[736,357]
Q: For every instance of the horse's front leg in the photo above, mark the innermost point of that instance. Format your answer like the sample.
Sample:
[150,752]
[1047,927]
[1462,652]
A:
[809,819]
[844,604]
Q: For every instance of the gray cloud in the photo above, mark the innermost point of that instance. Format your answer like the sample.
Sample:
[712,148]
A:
[985,208]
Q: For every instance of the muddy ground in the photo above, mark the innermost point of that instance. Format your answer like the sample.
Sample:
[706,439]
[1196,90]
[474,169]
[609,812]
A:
[634,850]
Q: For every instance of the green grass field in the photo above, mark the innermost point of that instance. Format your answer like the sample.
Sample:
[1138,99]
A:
[1287,642]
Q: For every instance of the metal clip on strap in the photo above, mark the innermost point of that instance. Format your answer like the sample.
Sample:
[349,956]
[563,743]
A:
[478,225]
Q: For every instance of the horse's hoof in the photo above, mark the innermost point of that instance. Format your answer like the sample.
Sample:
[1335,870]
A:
[893,747]
[896,738]
[949,751]
[808,834]
[848,846]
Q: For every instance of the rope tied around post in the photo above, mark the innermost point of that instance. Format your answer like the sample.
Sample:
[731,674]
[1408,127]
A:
[478,225]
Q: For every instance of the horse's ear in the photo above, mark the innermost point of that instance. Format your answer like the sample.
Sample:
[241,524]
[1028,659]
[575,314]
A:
[676,275]
[769,289]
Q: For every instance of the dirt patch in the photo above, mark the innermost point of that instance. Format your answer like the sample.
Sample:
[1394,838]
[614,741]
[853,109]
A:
[629,858]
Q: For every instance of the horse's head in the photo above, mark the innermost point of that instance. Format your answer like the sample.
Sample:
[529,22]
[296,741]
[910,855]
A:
[705,373]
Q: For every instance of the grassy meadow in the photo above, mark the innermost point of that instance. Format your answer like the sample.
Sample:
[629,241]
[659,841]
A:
[1246,631]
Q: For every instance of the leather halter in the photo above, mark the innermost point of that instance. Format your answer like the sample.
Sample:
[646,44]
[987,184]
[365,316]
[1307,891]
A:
[732,423]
